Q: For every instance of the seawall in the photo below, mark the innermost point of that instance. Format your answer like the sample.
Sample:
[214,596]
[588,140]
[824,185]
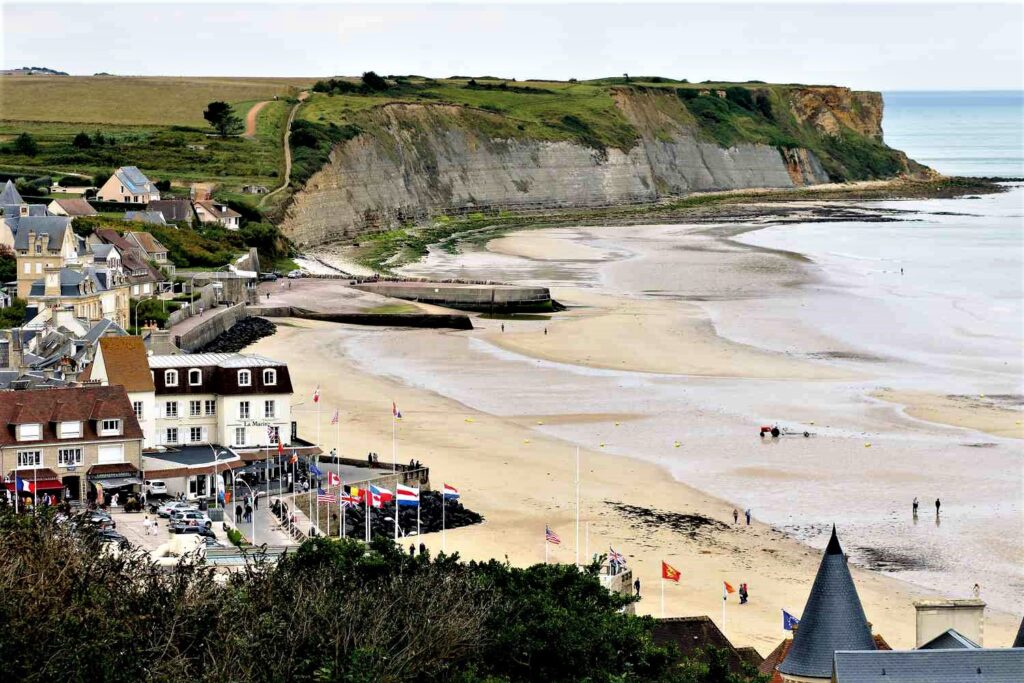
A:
[453,321]
[495,298]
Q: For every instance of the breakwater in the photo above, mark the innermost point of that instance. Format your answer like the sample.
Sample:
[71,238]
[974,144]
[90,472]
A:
[453,321]
[482,297]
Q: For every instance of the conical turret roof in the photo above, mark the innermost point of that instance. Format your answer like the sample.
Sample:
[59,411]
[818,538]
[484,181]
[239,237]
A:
[10,195]
[833,619]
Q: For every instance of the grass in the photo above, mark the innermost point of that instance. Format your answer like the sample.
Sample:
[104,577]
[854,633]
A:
[393,309]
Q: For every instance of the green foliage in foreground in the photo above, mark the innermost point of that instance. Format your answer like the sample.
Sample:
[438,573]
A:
[330,611]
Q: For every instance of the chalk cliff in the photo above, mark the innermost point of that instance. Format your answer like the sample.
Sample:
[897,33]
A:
[417,160]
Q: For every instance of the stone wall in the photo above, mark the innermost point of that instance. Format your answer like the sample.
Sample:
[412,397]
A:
[213,324]
[503,298]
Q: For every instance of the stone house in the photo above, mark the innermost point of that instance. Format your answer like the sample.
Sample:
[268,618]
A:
[42,242]
[80,440]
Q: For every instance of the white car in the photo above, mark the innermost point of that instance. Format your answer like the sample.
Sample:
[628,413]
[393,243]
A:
[191,518]
[156,487]
[166,509]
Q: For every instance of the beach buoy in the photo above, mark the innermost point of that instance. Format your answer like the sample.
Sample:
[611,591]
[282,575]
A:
[677,444]
[867,445]
[526,441]
[616,424]
[540,422]
[602,445]
[469,419]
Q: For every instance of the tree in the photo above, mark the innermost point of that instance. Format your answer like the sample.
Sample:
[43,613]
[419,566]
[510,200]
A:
[221,116]
[25,144]
[371,81]
[82,141]
[98,139]
[13,315]
[8,264]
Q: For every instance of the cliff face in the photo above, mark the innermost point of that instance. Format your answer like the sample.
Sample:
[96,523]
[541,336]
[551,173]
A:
[414,161]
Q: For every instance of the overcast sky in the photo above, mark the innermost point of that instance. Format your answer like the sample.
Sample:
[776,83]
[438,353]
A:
[915,46]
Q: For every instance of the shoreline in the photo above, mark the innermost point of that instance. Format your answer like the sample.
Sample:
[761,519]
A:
[520,478]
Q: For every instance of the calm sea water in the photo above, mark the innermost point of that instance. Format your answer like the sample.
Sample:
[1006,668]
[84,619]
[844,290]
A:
[979,133]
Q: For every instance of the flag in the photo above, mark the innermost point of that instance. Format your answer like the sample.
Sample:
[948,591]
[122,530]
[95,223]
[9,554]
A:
[23,485]
[280,448]
[333,479]
[669,573]
[324,497]
[614,556]
[395,412]
[315,471]
[550,536]
[408,496]
[334,418]
[316,394]
[355,493]
[726,589]
[379,495]
[450,492]
[349,500]
[788,621]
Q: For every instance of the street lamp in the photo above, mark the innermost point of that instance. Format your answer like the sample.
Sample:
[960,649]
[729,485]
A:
[253,496]
[192,285]
[216,459]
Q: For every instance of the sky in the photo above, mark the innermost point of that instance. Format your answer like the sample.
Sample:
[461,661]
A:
[907,46]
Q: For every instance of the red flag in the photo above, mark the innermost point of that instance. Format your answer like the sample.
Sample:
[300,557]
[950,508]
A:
[727,589]
[669,572]
[316,394]
[280,447]
[333,479]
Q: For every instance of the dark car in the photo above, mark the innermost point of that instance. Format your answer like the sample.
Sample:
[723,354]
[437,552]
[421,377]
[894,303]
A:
[111,536]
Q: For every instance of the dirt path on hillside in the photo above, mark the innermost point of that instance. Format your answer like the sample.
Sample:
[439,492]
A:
[250,119]
[287,148]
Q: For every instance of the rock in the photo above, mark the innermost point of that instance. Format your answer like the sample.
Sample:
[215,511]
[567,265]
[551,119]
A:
[243,333]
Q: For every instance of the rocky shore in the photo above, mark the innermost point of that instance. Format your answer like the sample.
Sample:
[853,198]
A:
[243,333]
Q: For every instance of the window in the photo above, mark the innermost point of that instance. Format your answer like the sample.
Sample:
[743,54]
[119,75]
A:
[195,434]
[195,408]
[211,407]
[137,407]
[110,427]
[70,430]
[243,410]
[270,377]
[171,378]
[30,458]
[66,457]
[171,409]
[171,435]
[27,268]
[30,432]
[268,409]
[244,378]
[195,377]
[239,436]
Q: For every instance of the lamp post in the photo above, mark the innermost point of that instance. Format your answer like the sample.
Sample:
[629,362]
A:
[192,285]
[216,459]
[253,496]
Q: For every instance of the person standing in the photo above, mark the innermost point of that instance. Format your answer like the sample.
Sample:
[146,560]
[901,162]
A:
[636,587]
[238,514]
[145,525]
[248,512]
[938,504]
[735,516]
[747,513]
[915,506]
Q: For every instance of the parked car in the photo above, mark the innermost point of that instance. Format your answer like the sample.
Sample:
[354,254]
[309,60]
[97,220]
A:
[268,277]
[204,531]
[295,274]
[111,536]
[166,509]
[191,517]
[156,487]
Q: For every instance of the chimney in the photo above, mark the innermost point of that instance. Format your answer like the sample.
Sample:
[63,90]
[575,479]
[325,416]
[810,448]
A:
[51,278]
[15,357]
[935,617]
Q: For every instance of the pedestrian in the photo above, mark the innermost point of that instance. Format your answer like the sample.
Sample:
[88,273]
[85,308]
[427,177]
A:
[412,464]
[238,514]
[503,327]
[735,516]
[412,550]
[248,512]
[743,594]
[636,587]
[369,459]
[747,513]
[976,591]
[938,504]
[145,525]
[256,502]
[545,331]
[915,506]
[423,548]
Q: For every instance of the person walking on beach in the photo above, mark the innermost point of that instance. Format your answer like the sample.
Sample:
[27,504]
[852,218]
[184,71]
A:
[743,594]
[735,516]
[747,513]
[503,327]
[636,587]
[915,506]
[938,504]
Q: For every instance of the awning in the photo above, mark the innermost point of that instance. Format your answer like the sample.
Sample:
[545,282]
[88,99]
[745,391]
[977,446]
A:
[118,482]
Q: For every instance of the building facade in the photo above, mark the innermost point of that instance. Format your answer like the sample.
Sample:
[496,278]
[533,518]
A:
[128,185]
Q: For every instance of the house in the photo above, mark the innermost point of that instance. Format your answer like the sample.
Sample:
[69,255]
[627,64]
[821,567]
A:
[73,208]
[42,242]
[91,293]
[152,217]
[82,441]
[151,249]
[254,189]
[956,665]
[694,635]
[144,278]
[11,202]
[128,185]
[122,361]
[174,210]
[210,211]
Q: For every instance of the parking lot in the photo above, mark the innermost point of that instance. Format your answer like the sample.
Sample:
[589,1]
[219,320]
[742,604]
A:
[130,525]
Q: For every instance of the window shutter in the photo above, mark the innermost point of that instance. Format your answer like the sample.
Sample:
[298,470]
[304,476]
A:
[204,435]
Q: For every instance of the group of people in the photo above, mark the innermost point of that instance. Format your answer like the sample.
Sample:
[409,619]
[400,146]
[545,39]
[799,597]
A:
[243,514]
[412,549]
[372,458]
[744,593]
[938,506]
[736,516]
[149,526]
[415,464]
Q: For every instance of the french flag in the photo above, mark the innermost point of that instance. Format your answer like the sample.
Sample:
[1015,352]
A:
[450,492]
[24,485]
[408,496]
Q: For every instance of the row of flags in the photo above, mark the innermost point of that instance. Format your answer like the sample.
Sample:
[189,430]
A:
[352,495]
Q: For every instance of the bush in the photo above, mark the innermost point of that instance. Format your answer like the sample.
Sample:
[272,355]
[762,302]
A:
[82,141]
[13,315]
[235,536]
[25,144]
[373,82]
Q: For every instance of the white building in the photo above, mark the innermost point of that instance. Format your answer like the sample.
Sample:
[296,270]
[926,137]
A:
[128,185]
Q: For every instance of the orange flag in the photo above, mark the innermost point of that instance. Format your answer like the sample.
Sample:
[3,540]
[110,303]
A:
[727,589]
[669,572]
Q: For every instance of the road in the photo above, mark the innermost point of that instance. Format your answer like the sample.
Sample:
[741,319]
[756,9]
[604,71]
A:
[250,119]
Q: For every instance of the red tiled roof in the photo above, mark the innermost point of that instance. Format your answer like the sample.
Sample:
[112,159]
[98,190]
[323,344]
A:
[126,363]
[771,663]
[50,406]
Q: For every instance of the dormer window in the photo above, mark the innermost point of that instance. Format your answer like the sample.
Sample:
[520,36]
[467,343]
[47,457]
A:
[30,432]
[171,378]
[69,430]
[110,428]
[195,377]
[244,378]
[270,377]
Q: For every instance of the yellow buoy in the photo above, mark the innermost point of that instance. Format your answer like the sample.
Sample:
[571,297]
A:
[616,424]
[526,441]
[540,422]
[867,445]
[602,445]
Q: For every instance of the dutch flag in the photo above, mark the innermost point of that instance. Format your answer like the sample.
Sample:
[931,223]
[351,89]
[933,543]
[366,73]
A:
[408,496]
[450,492]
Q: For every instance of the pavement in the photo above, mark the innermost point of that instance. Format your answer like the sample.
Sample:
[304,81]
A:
[130,525]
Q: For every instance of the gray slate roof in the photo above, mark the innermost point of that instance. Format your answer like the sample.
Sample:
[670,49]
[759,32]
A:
[1019,640]
[832,620]
[930,666]
[950,639]
[37,210]
[133,179]
[53,226]
[10,195]
[174,210]
[103,327]
[70,282]
[155,217]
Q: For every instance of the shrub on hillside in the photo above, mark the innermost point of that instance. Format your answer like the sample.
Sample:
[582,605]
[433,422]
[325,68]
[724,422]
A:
[26,145]
[373,82]
[82,141]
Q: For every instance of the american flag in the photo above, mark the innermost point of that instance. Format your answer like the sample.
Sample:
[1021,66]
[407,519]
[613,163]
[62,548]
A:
[324,497]
[550,536]
[334,419]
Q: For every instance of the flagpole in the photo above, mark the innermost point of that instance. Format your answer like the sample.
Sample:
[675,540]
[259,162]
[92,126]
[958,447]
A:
[320,446]
[418,510]
[444,546]
[545,546]
[723,609]
[394,441]
[577,506]
[663,597]
[586,535]
[366,521]
[35,490]
[396,514]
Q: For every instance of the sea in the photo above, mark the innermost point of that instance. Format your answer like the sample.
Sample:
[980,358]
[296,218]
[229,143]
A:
[932,302]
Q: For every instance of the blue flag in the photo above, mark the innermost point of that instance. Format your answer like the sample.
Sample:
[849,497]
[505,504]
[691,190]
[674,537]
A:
[315,471]
[788,621]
